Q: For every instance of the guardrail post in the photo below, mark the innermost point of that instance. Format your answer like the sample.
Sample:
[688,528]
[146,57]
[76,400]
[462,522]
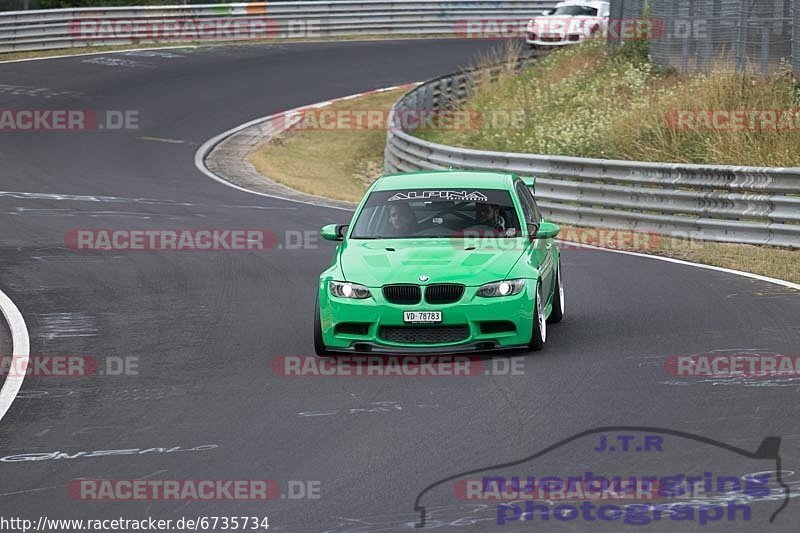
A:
[796,38]
[741,35]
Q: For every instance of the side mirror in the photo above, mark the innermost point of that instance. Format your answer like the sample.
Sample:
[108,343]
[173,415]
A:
[333,232]
[548,12]
[546,230]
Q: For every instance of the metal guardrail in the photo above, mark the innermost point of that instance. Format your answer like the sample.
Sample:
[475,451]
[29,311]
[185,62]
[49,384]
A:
[756,205]
[58,28]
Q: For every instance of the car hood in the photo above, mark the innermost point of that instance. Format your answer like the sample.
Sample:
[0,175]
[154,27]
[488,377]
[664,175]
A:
[378,262]
[561,23]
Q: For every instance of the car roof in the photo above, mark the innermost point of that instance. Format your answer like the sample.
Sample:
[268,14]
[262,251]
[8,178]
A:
[589,3]
[445,178]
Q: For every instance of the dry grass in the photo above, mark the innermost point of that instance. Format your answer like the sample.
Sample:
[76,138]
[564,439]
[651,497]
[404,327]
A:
[336,163]
[586,101]
[780,263]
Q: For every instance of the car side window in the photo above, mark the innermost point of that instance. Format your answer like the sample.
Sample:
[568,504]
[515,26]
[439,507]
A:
[536,210]
[529,207]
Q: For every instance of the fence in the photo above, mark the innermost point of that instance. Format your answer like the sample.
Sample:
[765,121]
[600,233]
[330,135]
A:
[695,35]
[60,28]
[720,203]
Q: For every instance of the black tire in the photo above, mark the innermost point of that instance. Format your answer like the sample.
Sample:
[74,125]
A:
[319,346]
[539,329]
[558,299]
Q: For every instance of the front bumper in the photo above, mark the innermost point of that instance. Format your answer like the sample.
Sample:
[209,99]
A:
[473,324]
[561,40]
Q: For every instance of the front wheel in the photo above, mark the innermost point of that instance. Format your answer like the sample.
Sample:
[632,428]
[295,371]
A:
[558,299]
[319,346]
[539,333]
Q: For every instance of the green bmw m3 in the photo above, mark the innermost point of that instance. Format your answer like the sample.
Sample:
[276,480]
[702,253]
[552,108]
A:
[440,262]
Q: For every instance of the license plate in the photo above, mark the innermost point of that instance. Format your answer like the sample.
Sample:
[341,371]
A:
[422,317]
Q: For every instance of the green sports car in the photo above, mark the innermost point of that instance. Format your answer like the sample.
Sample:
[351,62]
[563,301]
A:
[440,262]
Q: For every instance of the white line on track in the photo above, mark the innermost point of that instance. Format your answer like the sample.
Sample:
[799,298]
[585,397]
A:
[21,347]
[66,56]
[741,273]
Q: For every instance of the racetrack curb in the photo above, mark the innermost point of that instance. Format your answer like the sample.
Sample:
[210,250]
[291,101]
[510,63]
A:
[225,158]
[20,342]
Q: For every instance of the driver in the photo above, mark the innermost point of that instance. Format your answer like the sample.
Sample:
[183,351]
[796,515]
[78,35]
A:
[489,215]
[401,219]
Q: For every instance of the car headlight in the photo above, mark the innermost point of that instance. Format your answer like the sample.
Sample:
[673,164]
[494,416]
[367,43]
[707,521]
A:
[343,289]
[502,288]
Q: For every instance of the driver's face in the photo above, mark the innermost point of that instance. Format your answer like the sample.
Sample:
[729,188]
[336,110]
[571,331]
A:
[486,212]
[398,219]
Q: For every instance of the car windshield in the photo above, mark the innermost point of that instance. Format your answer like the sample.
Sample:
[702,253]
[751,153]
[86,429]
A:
[581,11]
[421,213]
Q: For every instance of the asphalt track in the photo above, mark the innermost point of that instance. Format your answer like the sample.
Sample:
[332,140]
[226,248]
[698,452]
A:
[205,326]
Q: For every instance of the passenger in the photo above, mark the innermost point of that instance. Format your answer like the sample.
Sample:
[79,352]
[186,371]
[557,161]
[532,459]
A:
[489,215]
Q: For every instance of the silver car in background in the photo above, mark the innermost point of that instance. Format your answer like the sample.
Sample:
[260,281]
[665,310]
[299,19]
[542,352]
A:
[570,22]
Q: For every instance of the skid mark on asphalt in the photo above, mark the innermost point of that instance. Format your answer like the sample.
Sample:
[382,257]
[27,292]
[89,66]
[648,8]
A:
[26,394]
[763,292]
[87,198]
[28,491]
[115,395]
[370,408]
[117,199]
[741,382]
[68,256]
[117,62]
[153,53]
[64,325]
[260,207]
[22,211]
[463,515]
[59,455]
[162,140]
[21,90]
[144,394]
